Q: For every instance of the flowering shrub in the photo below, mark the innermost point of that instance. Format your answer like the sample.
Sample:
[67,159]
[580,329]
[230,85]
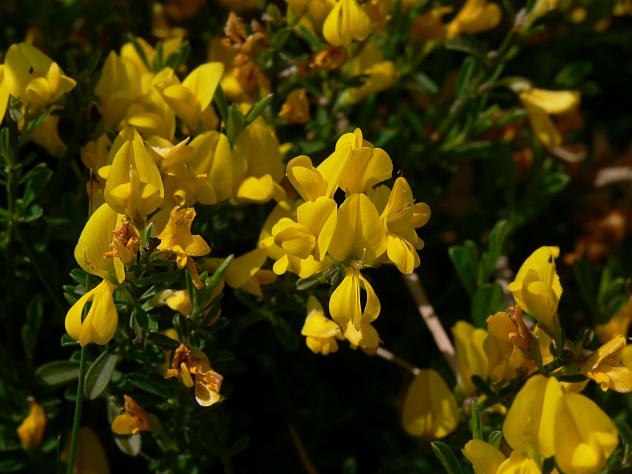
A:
[204,199]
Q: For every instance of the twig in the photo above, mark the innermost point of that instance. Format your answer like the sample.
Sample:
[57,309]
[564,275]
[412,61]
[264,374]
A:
[302,453]
[432,321]
[388,355]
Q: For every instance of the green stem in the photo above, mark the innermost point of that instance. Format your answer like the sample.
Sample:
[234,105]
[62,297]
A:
[38,270]
[77,419]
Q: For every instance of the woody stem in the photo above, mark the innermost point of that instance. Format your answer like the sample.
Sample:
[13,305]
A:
[77,419]
[431,319]
[404,364]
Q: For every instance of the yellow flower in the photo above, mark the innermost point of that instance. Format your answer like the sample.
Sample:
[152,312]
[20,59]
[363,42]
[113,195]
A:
[94,243]
[345,303]
[133,421]
[176,239]
[379,74]
[312,232]
[187,362]
[46,136]
[529,425]
[321,331]
[100,323]
[90,457]
[476,16]
[31,430]
[539,104]
[510,330]
[33,77]
[605,366]
[125,242]
[430,409]
[365,337]
[359,234]
[346,22]
[537,287]
[484,457]
[400,215]
[367,165]
[117,89]
[470,355]
[258,147]
[134,186]
[584,435]
[295,109]
[191,98]
[4,93]
[218,174]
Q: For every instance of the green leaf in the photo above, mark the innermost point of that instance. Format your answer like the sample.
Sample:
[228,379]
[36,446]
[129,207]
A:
[463,83]
[12,465]
[220,101]
[99,374]
[238,446]
[446,456]
[468,46]
[495,438]
[161,340]
[624,430]
[130,445]
[488,300]
[284,332]
[236,123]
[149,384]
[58,372]
[258,108]
[139,49]
[465,261]
[497,238]
[477,430]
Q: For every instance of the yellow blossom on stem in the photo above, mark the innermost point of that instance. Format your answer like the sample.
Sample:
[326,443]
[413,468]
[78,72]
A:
[365,167]
[475,16]
[176,239]
[347,21]
[529,424]
[134,186]
[99,325]
[31,430]
[125,242]
[4,93]
[33,77]
[133,421]
[258,147]
[187,362]
[321,332]
[400,214]
[47,136]
[379,74]
[485,458]
[295,109]
[539,104]
[584,435]
[91,253]
[191,98]
[470,355]
[345,303]
[605,366]
[430,409]
[90,457]
[312,232]
[537,288]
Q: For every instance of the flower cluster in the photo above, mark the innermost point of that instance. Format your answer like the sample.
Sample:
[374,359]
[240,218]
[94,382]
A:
[373,225]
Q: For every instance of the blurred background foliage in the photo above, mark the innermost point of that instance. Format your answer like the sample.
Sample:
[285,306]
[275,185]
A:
[452,127]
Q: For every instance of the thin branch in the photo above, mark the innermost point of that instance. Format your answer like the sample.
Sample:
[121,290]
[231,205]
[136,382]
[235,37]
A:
[302,452]
[388,355]
[432,321]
